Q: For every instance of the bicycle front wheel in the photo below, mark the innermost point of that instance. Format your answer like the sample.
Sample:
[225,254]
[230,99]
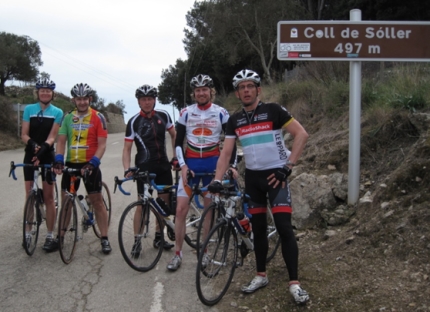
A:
[31,224]
[108,205]
[136,235]
[216,264]
[67,229]
[273,237]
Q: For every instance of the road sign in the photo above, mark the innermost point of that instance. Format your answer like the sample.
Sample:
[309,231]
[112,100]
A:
[353,41]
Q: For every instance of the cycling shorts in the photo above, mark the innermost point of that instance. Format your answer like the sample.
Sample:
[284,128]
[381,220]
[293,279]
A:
[47,174]
[198,165]
[258,188]
[93,183]
[163,172]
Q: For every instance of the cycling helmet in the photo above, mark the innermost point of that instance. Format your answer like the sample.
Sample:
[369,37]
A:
[201,81]
[81,90]
[45,83]
[246,75]
[146,90]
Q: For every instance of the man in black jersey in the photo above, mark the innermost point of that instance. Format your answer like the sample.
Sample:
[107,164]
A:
[268,163]
[147,130]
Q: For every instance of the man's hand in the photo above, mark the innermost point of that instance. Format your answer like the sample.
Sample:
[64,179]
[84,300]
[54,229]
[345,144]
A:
[280,176]
[87,170]
[175,163]
[42,150]
[32,145]
[59,164]
[215,187]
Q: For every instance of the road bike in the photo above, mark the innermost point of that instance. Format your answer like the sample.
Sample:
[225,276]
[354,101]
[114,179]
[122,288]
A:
[68,221]
[226,241]
[142,218]
[34,209]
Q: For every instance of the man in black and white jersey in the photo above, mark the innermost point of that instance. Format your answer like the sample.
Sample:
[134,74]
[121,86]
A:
[259,126]
[147,130]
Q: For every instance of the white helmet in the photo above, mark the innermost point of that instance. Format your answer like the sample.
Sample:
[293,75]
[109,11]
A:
[81,90]
[201,81]
[246,75]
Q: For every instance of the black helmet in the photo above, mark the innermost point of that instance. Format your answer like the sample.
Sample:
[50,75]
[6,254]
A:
[146,90]
[246,75]
[201,81]
[81,90]
[45,83]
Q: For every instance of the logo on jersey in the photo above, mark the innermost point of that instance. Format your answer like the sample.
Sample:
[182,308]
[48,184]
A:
[265,126]
[202,132]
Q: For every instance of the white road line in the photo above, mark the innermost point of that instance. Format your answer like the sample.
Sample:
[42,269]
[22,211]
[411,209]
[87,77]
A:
[158,294]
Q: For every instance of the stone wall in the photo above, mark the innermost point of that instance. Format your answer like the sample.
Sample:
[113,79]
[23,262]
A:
[115,123]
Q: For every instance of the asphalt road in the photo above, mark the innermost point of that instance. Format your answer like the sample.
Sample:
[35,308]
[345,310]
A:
[93,281]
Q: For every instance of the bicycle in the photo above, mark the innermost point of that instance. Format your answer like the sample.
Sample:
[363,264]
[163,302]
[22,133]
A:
[68,216]
[214,213]
[34,209]
[218,258]
[137,227]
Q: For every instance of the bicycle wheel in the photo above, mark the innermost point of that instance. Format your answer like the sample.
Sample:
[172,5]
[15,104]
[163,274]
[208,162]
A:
[215,267]
[192,222]
[31,223]
[272,236]
[67,229]
[207,221]
[136,235]
[107,203]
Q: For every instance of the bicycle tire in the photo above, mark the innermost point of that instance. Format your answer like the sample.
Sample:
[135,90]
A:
[211,215]
[192,222]
[140,254]
[273,238]
[214,278]
[31,223]
[108,204]
[67,229]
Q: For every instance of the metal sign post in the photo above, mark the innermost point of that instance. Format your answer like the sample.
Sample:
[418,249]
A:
[354,41]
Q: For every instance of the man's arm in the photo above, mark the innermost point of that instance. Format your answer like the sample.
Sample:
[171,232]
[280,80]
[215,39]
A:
[224,159]
[126,154]
[61,145]
[172,133]
[101,147]
[300,138]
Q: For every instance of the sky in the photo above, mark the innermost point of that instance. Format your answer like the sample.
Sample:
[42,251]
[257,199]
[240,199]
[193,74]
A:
[114,46]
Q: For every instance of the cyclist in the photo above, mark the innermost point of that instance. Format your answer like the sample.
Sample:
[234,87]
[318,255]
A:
[84,131]
[40,125]
[268,164]
[201,124]
[147,130]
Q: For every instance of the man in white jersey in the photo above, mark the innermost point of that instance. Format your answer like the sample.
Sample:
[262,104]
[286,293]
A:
[201,124]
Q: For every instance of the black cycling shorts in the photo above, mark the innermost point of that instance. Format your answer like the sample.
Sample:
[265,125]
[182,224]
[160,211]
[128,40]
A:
[163,172]
[93,183]
[47,174]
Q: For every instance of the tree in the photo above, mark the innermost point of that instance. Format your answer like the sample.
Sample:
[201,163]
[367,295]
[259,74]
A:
[172,89]
[20,57]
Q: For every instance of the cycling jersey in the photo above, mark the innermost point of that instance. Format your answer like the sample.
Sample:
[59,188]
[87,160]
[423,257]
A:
[149,134]
[41,121]
[82,134]
[260,134]
[203,126]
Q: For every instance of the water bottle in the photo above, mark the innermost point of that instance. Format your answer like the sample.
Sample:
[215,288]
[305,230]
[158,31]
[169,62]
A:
[83,202]
[244,222]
